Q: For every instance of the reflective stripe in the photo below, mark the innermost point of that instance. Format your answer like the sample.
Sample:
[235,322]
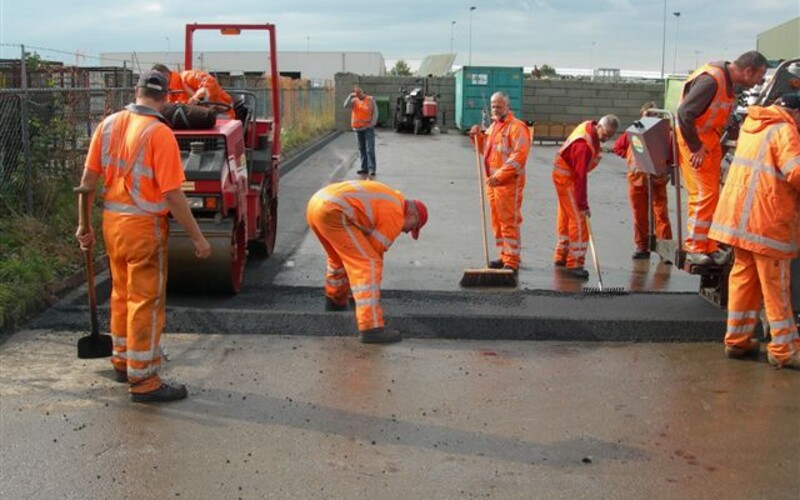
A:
[369,301]
[371,269]
[118,354]
[386,242]
[748,328]
[143,373]
[365,288]
[337,282]
[735,315]
[785,339]
[122,208]
[105,140]
[780,325]
[754,238]
[790,165]
[348,210]
[119,341]
[698,223]
[754,180]
[145,356]
[339,270]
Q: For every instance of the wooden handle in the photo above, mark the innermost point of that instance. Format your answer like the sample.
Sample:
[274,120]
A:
[594,253]
[483,203]
[85,210]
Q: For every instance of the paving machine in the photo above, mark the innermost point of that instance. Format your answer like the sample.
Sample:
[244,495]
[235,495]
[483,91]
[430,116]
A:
[656,153]
[231,183]
[416,110]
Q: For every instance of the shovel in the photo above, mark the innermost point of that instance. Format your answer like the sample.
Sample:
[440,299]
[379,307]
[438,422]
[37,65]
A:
[93,345]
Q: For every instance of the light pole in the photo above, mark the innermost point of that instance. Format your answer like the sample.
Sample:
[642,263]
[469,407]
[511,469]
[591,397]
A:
[675,57]
[470,34]
[696,61]
[168,49]
[663,39]
[452,34]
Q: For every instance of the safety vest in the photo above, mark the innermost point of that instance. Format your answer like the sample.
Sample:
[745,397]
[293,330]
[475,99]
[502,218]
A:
[508,145]
[361,117]
[716,115]
[581,132]
[127,161]
[759,210]
[374,208]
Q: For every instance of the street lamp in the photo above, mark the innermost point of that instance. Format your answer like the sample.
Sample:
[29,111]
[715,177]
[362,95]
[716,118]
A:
[696,61]
[168,49]
[677,22]
[452,34]
[663,39]
[470,34]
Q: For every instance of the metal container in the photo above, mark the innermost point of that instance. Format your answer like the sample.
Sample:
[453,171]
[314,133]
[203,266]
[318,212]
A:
[475,86]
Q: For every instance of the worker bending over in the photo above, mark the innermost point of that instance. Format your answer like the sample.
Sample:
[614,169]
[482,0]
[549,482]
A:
[356,222]
[137,156]
[194,86]
[706,102]
[578,156]
[759,216]
[639,183]
[505,146]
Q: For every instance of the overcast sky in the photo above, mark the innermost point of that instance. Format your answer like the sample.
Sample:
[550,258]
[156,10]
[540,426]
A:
[624,34]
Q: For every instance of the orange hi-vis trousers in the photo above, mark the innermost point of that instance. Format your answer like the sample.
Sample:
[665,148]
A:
[505,202]
[637,194]
[573,236]
[353,265]
[137,252]
[702,186]
[755,277]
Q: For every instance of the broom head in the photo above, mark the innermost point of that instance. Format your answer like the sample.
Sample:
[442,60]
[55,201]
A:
[489,278]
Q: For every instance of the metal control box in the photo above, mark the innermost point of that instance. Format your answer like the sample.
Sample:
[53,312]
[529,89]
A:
[651,144]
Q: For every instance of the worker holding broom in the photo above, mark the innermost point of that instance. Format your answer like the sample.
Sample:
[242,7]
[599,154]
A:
[356,222]
[578,156]
[137,156]
[505,146]
[759,216]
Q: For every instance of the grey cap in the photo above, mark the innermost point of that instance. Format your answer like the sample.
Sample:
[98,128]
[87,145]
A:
[153,80]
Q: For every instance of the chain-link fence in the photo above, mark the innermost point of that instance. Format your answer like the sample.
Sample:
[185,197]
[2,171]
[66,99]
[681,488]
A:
[44,133]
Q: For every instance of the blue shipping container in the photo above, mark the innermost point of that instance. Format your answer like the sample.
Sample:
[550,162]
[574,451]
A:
[475,86]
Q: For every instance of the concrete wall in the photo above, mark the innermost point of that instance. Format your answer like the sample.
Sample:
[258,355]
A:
[544,101]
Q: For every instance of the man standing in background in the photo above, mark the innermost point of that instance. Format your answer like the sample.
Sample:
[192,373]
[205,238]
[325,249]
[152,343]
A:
[363,118]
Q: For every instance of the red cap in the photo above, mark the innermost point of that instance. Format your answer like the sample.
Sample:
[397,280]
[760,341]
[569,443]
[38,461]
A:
[422,211]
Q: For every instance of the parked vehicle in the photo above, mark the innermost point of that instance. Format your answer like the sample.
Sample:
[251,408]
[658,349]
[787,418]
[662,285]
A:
[415,111]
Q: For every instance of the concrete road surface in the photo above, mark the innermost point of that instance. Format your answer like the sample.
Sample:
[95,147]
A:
[302,417]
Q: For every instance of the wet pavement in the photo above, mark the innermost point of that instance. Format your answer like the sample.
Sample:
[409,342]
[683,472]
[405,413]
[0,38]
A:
[304,417]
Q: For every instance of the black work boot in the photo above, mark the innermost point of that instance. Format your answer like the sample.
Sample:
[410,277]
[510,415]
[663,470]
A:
[163,394]
[577,272]
[380,336]
[641,255]
[331,306]
[496,264]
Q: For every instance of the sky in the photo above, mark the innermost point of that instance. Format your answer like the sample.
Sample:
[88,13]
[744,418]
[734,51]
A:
[625,34]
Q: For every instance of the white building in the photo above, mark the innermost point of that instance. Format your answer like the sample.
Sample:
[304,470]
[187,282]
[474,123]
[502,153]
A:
[312,65]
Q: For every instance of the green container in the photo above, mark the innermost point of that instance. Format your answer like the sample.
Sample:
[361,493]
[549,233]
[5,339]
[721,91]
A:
[384,117]
[475,86]
[673,87]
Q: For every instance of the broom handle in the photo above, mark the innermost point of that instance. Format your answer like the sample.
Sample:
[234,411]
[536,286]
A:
[594,253]
[83,202]
[483,203]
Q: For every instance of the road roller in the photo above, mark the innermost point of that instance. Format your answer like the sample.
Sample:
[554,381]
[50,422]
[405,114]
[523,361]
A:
[231,172]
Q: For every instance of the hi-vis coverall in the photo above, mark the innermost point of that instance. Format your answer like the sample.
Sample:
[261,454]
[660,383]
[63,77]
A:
[570,183]
[138,157]
[356,222]
[759,215]
[505,146]
[190,81]
[702,184]
[637,195]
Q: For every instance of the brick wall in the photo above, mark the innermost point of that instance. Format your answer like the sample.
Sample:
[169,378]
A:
[544,101]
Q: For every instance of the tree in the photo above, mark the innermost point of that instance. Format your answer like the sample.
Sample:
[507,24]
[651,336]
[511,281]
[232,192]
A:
[547,70]
[400,69]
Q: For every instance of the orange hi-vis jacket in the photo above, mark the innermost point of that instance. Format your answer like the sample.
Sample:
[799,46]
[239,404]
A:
[712,122]
[759,208]
[580,132]
[505,148]
[134,186]
[374,208]
[362,114]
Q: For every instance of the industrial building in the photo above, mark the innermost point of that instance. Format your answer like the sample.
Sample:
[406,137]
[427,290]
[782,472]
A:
[781,41]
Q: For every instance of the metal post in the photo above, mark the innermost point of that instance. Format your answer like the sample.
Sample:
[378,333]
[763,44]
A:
[663,39]
[470,34]
[452,34]
[26,145]
[677,23]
